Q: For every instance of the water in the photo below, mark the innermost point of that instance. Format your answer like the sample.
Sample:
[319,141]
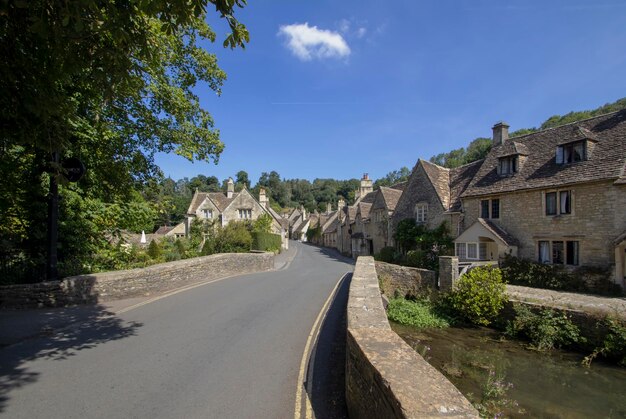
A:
[527,383]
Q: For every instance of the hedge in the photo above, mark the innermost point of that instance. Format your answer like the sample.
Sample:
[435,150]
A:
[266,241]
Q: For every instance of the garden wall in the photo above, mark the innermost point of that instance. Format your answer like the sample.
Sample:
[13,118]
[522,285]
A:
[155,279]
[404,280]
[385,377]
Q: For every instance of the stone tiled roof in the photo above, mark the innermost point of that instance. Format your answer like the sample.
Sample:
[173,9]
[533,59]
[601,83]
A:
[620,238]
[164,230]
[440,178]
[399,186]
[391,196]
[330,225]
[460,178]
[369,198]
[282,221]
[364,209]
[219,199]
[512,147]
[498,232]
[606,162]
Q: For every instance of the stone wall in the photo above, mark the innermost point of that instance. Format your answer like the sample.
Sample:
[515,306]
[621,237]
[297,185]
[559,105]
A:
[403,280]
[153,280]
[385,377]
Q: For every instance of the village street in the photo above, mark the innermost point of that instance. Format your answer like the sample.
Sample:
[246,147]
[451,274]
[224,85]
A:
[230,348]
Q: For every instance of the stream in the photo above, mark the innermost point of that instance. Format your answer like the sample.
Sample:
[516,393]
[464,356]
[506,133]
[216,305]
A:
[512,381]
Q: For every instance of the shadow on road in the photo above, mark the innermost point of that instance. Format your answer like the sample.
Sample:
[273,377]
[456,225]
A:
[88,327]
[332,253]
[325,383]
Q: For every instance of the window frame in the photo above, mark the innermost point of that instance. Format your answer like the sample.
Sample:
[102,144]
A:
[561,206]
[207,213]
[511,164]
[245,213]
[566,153]
[569,252]
[421,212]
[490,205]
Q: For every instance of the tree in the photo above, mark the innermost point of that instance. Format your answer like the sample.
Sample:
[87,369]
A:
[393,177]
[242,180]
[110,82]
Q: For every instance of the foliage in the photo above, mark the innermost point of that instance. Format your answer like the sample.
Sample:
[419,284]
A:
[387,254]
[421,313]
[154,250]
[494,398]
[479,295]
[613,345]
[557,277]
[476,150]
[263,224]
[422,246]
[546,330]
[393,177]
[267,242]
[235,237]
[313,234]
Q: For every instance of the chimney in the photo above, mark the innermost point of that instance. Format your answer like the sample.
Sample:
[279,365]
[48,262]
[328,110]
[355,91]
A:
[341,203]
[230,188]
[263,198]
[329,208]
[366,185]
[500,133]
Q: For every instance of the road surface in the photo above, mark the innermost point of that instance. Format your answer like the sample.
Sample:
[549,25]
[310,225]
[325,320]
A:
[228,349]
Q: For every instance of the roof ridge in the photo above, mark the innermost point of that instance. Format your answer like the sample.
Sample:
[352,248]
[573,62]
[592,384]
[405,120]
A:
[568,124]
[434,164]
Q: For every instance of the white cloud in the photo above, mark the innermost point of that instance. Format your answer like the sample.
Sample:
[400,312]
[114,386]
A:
[344,25]
[308,42]
[360,33]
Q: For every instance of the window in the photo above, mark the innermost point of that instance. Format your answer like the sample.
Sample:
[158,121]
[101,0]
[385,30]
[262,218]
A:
[571,153]
[472,251]
[562,205]
[551,203]
[565,202]
[421,211]
[245,214]
[508,165]
[461,250]
[490,204]
[207,213]
[495,208]
[482,251]
[559,252]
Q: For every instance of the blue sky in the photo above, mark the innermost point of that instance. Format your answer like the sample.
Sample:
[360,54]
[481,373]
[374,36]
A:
[334,89]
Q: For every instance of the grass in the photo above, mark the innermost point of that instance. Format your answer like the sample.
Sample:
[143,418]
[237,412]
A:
[421,314]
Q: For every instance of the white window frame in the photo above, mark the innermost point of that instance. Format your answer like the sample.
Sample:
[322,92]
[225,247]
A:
[421,212]
[466,247]
[244,213]
[207,213]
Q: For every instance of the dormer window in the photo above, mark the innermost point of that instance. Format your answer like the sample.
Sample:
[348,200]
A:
[507,165]
[571,152]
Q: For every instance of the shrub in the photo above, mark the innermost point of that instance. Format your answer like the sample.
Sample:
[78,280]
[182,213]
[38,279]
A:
[263,224]
[479,295]
[154,250]
[613,345]
[234,238]
[582,279]
[416,313]
[387,254]
[546,330]
[266,241]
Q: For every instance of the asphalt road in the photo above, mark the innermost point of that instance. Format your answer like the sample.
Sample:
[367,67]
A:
[229,349]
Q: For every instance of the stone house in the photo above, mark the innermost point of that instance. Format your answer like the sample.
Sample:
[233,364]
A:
[381,212]
[556,196]
[233,206]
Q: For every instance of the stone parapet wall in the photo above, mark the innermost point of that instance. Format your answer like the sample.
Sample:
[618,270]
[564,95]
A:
[153,280]
[385,377]
[404,280]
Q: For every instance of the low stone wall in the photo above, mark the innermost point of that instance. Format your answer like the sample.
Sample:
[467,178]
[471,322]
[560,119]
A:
[404,280]
[385,377]
[155,279]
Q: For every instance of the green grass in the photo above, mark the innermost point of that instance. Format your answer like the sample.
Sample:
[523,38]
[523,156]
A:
[420,314]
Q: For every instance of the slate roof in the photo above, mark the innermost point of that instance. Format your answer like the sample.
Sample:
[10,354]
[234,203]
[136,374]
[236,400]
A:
[282,221]
[399,186]
[512,147]
[369,198]
[330,225]
[606,162]
[498,232]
